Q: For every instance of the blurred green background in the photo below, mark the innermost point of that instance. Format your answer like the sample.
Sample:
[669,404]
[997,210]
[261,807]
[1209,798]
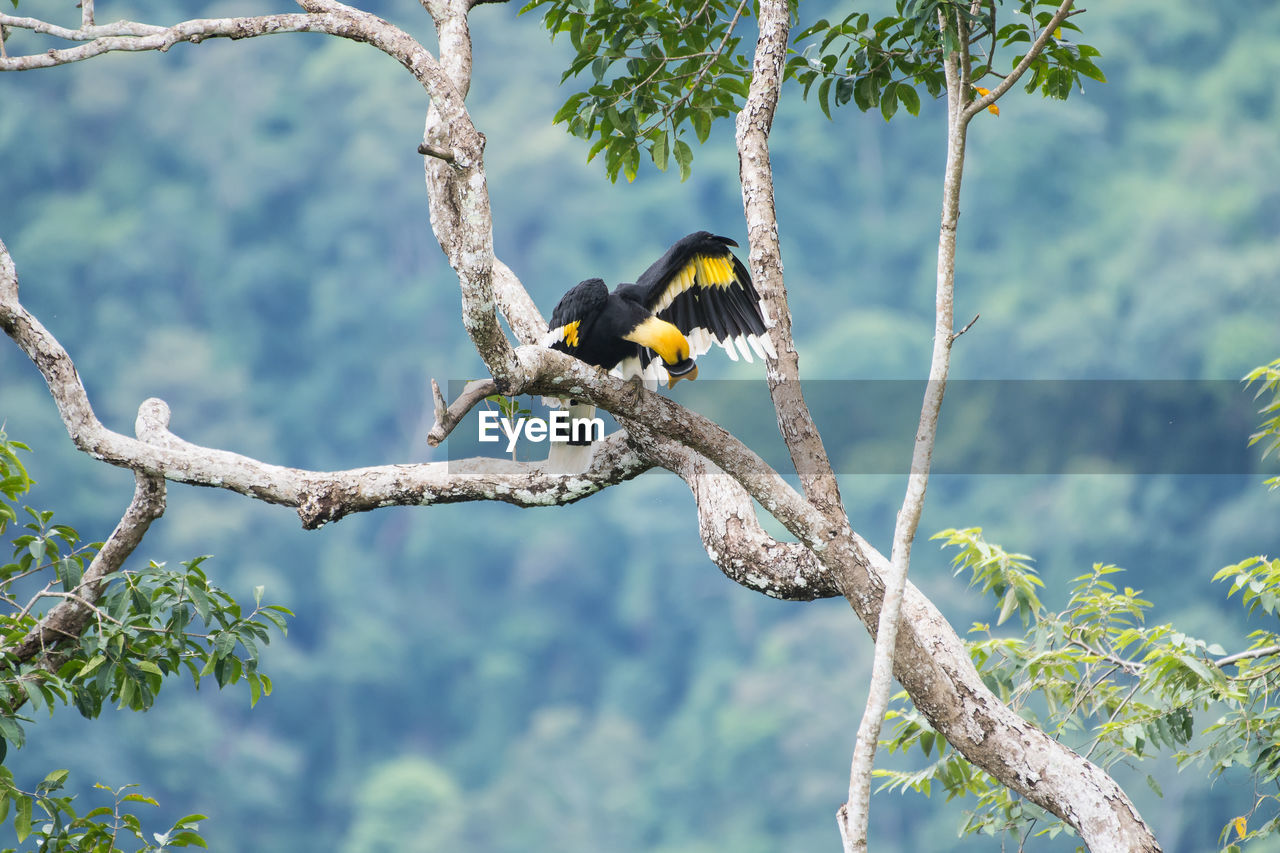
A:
[241,229]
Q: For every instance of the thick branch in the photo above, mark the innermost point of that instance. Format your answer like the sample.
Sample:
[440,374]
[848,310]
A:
[731,532]
[319,497]
[803,441]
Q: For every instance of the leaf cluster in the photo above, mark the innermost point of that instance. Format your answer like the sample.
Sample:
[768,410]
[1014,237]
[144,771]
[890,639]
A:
[1096,676]
[49,821]
[887,63]
[1268,379]
[654,69]
[146,626]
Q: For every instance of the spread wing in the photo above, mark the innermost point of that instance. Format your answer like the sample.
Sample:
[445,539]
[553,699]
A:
[706,292]
[580,305]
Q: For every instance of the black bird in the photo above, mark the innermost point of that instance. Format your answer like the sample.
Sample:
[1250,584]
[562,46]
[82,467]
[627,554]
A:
[696,295]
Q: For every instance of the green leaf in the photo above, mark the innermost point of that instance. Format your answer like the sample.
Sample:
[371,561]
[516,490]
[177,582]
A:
[138,798]
[702,125]
[824,96]
[54,780]
[11,731]
[889,106]
[1088,69]
[684,158]
[660,151]
[187,839]
[910,99]
[94,662]
[22,820]
[223,644]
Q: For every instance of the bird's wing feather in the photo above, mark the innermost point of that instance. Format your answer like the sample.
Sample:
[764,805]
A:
[580,304]
[702,288]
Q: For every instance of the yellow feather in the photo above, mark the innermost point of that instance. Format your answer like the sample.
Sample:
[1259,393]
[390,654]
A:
[726,271]
[571,333]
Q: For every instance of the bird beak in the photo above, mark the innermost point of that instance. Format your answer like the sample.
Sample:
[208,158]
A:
[691,375]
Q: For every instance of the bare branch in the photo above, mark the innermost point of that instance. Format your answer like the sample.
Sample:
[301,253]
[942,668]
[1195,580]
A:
[803,441]
[1250,654]
[450,417]
[967,327]
[438,153]
[319,497]
[130,36]
[854,814]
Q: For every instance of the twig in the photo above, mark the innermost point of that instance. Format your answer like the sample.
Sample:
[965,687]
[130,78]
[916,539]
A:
[967,327]
[1246,655]
[438,153]
[449,417]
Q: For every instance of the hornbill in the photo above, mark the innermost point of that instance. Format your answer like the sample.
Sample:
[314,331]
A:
[696,295]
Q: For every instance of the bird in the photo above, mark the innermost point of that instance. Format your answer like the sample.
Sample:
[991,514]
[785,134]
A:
[697,295]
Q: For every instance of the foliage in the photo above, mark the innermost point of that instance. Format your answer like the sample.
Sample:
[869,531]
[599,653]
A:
[884,64]
[1098,677]
[1268,379]
[659,67]
[656,68]
[102,829]
[147,625]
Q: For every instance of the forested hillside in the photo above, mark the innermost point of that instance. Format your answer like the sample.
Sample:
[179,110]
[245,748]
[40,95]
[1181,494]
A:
[252,216]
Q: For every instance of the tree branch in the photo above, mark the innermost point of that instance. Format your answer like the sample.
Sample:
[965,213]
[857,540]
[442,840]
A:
[1062,13]
[69,619]
[731,532]
[320,497]
[448,417]
[132,36]
[854,815]
[754,122]
[1249,654]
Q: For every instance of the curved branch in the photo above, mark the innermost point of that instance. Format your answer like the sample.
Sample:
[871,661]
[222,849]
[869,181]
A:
[319,497]
[449,416]
[853,816]
[731,532]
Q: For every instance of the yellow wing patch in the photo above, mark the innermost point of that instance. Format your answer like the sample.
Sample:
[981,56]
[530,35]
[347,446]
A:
[713,272]
[571,333]
[703,270]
